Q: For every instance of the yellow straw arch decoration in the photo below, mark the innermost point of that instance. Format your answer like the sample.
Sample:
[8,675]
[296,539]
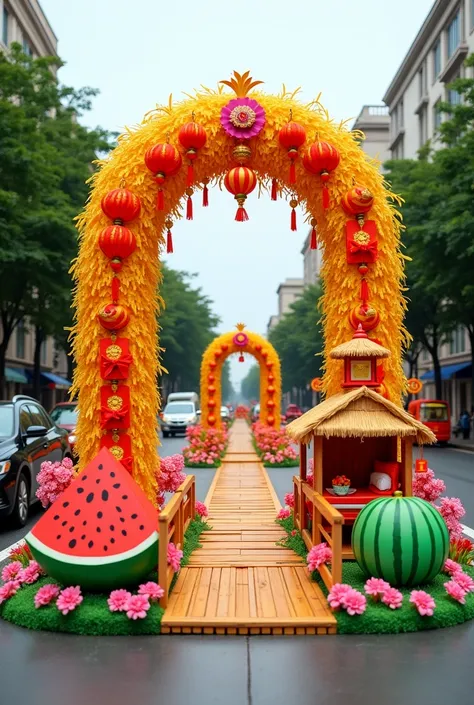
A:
[140,278]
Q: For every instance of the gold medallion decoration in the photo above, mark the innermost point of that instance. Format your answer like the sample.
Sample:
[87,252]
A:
[115,402]
[361,237]
[114,352]
[117,452]
[242,116]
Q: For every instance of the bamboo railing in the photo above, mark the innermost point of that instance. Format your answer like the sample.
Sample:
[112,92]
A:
[330,531]
[173,521]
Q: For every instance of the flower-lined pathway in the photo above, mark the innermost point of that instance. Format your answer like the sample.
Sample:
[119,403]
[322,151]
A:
[240,581]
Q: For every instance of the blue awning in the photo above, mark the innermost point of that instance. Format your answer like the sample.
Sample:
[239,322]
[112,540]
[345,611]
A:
[447,371]
[59,382]
[13,374]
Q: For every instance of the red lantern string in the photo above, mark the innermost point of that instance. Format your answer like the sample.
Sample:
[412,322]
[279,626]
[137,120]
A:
[274,190]
[189,204]
[160,200]
[364,291]
[205,196]
[293,204]
[292,178]
[115,289]
[169,237]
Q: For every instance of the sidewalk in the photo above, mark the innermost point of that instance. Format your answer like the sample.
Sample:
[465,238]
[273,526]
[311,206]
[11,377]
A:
[462,444]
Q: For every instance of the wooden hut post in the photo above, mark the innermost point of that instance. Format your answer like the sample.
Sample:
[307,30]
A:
[303,461]
[407,475]
[318,464]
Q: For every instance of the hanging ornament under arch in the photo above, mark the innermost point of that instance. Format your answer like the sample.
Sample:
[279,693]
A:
[121,205]
[192,137]
[169,236]
[293,206]
[163,160]
[292,136]
[117,242]
[321,158]
[314,236]
[240,181]
[205,192]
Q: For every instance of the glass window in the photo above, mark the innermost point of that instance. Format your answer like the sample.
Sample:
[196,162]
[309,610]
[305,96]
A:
[177,408]
[422,82]
[44,352]
[437,59]
[25,419]
[454,34]
[437,116]
[433,412]
[20,340]
[6,420]
[39,417]
[65,415]
[5,26]
[457,342]
[453,97]
[27,48]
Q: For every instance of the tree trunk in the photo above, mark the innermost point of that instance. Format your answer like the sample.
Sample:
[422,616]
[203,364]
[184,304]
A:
[3,386]
[436,368]
[39,338]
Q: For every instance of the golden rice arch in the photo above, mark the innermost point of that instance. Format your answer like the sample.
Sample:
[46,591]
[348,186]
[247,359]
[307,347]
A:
[241,341]
[140,278]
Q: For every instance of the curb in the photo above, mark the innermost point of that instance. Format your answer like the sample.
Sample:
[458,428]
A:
[459,446]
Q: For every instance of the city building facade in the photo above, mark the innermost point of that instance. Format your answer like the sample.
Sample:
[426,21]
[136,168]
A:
[374,122]
[288,291]
[312,261]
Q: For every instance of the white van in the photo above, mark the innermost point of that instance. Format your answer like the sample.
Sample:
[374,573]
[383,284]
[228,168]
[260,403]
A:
[177,417]
[184,396]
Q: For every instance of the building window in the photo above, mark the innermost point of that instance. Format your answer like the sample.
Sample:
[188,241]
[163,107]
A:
[44,352]
[26,48]
[457,342]
[437,59]
[5,26]
[422,87]
[454,34]
[20,340]
[453,97]
[437,115]
[423,125]
[398,151]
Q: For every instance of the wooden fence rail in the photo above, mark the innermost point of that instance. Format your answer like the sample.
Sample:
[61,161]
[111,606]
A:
[173,521]
[326,525]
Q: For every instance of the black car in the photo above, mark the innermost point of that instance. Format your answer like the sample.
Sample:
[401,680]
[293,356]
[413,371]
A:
[28,437]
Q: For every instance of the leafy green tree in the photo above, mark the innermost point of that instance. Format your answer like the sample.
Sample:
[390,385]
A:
[228,392]
[250,385]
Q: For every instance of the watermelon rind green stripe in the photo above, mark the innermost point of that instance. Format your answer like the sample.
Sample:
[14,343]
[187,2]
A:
[416,556]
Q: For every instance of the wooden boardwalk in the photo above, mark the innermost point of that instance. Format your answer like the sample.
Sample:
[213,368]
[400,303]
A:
[240,581]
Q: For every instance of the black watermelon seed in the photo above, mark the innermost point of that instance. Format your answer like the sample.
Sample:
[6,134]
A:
[90,497]
[97,482]
[119,509]
[100,466]
[77,512]
[84,523]
[80,490]
[106,548]
[124,533]
[83,477]
[141,527]
[65,504]
[134,516]
[56,517]
[83,537]
[58,537]
[71,529]
[64,523]
[98,529]
[125,496]
[105,495]
[122,520]
[112,540]
[72,543]
[116,486]
[90,544]
[99,515]
[112,474]
[112,527]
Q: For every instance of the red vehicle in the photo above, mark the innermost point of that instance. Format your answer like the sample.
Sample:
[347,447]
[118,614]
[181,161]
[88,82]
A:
[435,414]
[64,415]
[292,412]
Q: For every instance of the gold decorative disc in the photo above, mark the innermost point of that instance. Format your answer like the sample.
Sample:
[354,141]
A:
[362,238]
[117,452]
[115,402]
[114,352]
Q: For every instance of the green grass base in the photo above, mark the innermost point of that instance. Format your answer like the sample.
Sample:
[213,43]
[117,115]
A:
[204,466]
[380,619]
[93,616]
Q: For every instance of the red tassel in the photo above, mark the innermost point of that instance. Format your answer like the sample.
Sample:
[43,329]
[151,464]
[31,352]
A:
[115,289]
[325,196]
[314,242]
[205,196]
[274,190]
[364,291]
[241,214]
[160,200]
[169,242]
[190,175]
[189,208]
[292,172]
[293,219]
[241,358]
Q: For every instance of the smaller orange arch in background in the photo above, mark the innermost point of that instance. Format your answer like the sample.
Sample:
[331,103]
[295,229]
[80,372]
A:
[242,342]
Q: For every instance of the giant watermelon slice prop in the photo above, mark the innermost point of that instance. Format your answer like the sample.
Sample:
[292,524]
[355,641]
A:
[101,533]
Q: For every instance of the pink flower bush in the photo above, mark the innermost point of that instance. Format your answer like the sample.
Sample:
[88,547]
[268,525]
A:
[69,599]
[455,591]
[207,446]
[137,606]
[354,602]
[464,581]
[30,574]
[46,594]
[8,590]
[451,567]
[423,602]
[318,556]
[11,571]
[375,587]
[53,479]
[284,513]
[152,590]
[290,499]
[336,595]
[118,600]
[201,510]
[170,476]
[426,486]
[393,598]
[174,557]
[273,445]
[451,510]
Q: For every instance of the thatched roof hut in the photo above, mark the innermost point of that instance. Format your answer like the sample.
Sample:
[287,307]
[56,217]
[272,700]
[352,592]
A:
[359,346]
[359,413]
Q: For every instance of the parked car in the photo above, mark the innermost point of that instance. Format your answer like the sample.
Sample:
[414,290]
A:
[64,415]
[292,412]
[28,437]
[184,396]
[225,413]
[255,413]
[177,416]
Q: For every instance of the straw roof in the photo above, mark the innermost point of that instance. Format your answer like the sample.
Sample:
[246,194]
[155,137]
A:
[360,413]
[359,347]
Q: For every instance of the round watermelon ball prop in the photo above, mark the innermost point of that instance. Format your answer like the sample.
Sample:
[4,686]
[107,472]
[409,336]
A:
[101,533]
[403,540]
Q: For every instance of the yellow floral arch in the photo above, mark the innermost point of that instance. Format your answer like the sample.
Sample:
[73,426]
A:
[140,277]
[240,341]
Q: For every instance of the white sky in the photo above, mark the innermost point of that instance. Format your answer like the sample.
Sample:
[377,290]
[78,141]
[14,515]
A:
[139,52]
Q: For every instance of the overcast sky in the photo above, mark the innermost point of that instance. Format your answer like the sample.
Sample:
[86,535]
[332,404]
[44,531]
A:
[139,52]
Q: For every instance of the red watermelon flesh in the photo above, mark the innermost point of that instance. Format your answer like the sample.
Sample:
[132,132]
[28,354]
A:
[101,533]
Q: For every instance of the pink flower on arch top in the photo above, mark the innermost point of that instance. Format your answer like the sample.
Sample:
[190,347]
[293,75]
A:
[69,599]
[354,602]
[393,598]
[375,587]
[423,602]
[46,594]
[336,595]
[455,591]
[318,555]
[137,606]
[152,590]
[174,557]
[118,600]
[11,571]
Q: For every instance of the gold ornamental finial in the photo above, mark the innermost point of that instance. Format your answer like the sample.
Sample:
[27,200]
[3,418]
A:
[240,326]
[241,84]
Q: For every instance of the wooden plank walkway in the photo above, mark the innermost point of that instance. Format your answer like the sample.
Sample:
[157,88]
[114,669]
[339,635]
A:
[240,581]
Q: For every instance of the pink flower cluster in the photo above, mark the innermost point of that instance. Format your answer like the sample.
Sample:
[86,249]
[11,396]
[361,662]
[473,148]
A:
[379,589]
[452,510]
[66,600]
[460,584]
[428,487]
[318,556]
[290,499]
[53,479]
[273,445]
[24,575]
[46,594]
[170,476]
[207,446]
[345,597]
[174,556]
[423,602]
[135,606]
[284,513]
[201,510]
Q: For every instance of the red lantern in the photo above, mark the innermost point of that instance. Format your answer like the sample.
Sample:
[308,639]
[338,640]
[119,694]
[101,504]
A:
[211,419]
[269,365]
[421,465]
[213,365]
[114,316]
[241,358]
[211,379]
[211,389]
[366,316]
[270,420]
[321,158]
[270,404]
[121,205]
[163,160]
[224,348]
[211,403]
[193,137]
[270,389]
[270,378]
[292,136]
[357,201]
[240,181]
[117,242]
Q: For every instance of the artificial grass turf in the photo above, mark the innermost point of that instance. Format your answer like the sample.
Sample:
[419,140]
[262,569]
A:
[378,618]
[92,617]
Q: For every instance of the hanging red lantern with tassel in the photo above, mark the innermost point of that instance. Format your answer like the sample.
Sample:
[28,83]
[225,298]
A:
[205,193]
[240,181]
[121,205]
[314,239]
[274,190]
[117,242]
[169,236]
[241,358]
[293,204]
[358,201]
[321,158]
[189,203]
[163,160]
[193,138]
[292,136]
